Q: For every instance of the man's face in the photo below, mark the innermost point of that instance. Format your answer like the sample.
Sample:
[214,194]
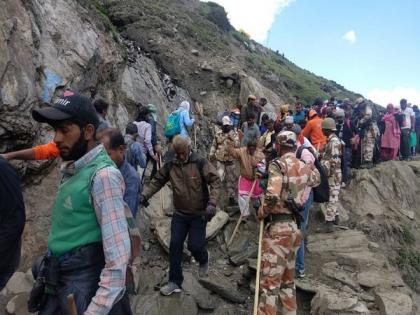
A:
[251,149]
[71,141]
[253,102]
[270,126]
[298,108]
[263,102]
[251,122]
[226,128]
[326,132]
[116,155]
[182,154]
[403,105]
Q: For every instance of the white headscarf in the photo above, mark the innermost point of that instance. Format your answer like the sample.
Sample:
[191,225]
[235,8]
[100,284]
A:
[185,105]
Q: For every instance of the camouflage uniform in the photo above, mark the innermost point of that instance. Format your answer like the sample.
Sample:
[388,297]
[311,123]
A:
[282,237]
[331,160]
[369,137]
[225,163]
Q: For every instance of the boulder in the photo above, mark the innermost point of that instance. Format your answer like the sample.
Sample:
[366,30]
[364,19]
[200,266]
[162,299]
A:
[202,297]
[241,258]
[222,288]
[195,52]
[18,305]
[216,224]
[375,278]
[329,302]
[19,283]
[339,242]
[205,66]
[392,302]
[157,304]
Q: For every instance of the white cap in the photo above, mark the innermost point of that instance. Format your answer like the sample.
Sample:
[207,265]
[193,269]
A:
[226,121]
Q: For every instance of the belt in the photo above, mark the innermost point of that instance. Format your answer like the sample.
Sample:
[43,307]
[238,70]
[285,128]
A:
[282,217]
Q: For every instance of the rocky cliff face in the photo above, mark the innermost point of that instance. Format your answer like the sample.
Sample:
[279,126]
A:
[161,52]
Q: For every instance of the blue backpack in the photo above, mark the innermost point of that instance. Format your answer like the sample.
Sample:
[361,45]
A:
[173,124]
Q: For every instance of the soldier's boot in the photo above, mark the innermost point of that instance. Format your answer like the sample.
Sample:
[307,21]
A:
[329,227]
[336,220]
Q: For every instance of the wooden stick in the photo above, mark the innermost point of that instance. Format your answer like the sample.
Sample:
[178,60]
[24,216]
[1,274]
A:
[240,217]
[162,200]
[195,137]
[72,304]
[257,279]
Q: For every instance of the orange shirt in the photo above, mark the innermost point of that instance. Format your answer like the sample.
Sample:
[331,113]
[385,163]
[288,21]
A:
[313,131]
[47,151]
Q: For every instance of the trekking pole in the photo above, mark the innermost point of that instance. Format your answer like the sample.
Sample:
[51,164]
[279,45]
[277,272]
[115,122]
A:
[72,304]
[195,137]
[240,217]
[161,192]
[257,278]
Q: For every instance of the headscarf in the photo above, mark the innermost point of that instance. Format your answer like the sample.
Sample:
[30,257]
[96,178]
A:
[152,109]
[185,105]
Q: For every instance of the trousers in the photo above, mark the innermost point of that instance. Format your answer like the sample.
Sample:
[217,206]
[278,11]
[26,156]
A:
[334,183]
[79,274]
[300,256]
[195,228]
[280,243]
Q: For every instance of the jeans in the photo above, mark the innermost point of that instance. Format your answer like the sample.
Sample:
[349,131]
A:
[300,256]
[4,278]
[195,227]
[345,167]
[405,143]
[79,274]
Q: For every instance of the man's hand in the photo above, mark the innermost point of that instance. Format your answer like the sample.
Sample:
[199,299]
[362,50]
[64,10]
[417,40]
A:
[261,213]
[155,157]
[158,149]
[144,202]
[6,156]
[210,212]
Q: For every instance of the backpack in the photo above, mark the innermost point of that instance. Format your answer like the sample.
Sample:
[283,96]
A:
[322,191]
[129,155]
[173,124]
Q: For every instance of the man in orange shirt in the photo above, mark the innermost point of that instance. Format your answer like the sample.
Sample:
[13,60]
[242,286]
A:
[313,130]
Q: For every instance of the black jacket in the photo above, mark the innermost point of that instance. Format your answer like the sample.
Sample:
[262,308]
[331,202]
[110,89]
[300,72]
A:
[12,217]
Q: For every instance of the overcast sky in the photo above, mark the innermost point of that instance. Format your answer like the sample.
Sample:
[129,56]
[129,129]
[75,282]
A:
[371,47]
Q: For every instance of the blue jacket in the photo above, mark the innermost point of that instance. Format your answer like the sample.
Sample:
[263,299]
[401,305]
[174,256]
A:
[133,187]
[185,122]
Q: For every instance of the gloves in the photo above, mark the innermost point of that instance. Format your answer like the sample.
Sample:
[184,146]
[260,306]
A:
[144,202]
[210,212]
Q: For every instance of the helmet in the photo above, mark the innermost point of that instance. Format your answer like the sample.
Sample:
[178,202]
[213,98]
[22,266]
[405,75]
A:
[339,113]
[329,124]
[287,138]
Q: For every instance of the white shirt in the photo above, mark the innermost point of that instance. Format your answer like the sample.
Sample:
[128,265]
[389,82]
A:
[408,113]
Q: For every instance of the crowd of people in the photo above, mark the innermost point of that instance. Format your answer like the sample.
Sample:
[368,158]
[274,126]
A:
[280,163]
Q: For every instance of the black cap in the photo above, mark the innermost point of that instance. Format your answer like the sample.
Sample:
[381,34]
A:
[70,106]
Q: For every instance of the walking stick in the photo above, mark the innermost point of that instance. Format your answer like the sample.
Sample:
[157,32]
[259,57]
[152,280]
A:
[72,304]
[257,279]
[161,192]
[195,137]
[240,217]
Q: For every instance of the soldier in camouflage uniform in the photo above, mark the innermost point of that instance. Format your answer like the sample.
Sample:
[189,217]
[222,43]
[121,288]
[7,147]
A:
[369,131]
[288,176]
[225,163]
[331,160]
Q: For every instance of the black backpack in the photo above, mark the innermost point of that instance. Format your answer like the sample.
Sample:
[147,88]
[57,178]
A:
[322,191]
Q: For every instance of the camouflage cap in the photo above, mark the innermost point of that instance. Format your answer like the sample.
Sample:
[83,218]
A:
[287,138]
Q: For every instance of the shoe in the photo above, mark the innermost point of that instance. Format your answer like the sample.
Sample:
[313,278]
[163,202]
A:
[170,288]
[203,270]
[329,227]
[300,274]
[337,220]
